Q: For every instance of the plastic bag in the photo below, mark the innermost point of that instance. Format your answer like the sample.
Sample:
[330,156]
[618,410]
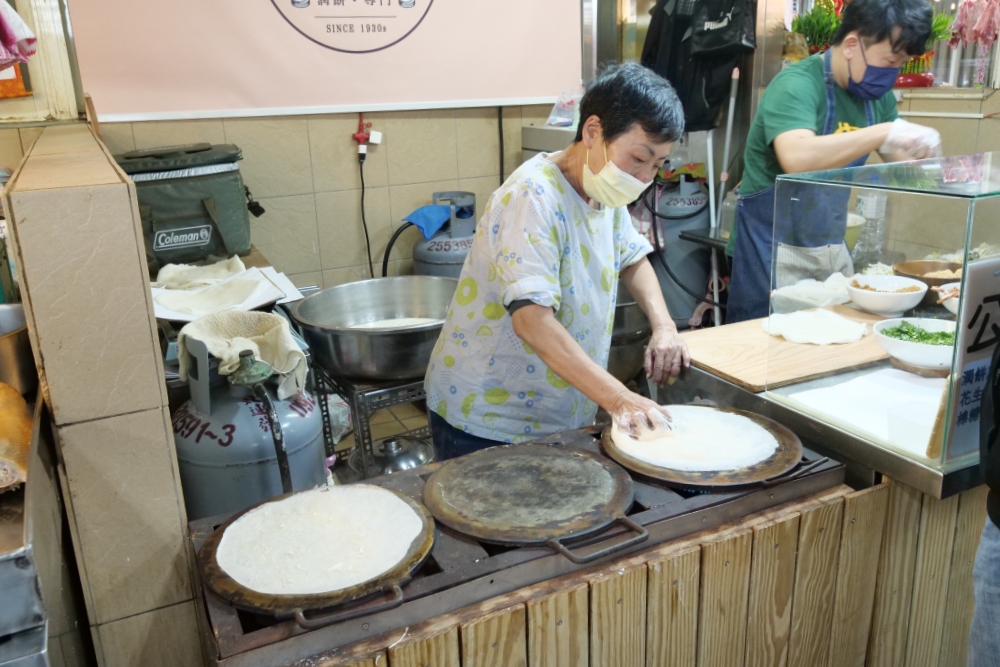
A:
[639,424]
[566,111]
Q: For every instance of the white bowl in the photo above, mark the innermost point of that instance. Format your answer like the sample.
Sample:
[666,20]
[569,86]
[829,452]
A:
[917,354]
[952,304]
[886,302]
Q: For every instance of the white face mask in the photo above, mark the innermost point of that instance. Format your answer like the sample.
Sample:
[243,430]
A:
[612,186]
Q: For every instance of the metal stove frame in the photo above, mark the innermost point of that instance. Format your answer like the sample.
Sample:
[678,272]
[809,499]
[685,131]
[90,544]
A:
[461,571]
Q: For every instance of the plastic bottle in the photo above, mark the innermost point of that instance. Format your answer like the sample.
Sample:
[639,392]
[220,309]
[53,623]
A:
[870,247]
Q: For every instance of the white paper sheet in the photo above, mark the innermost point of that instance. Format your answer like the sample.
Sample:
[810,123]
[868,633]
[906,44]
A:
[282,282]
[864,403]
[266,293]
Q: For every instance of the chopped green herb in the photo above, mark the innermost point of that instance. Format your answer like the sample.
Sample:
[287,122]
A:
[915,334]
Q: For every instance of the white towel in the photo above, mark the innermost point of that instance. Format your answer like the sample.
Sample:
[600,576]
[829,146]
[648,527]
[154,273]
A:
[268,336]
[188,276]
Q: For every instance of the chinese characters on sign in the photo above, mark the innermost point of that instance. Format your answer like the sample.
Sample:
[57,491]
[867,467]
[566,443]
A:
[977,336]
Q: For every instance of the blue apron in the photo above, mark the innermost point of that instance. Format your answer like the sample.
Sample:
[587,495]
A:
[819,244]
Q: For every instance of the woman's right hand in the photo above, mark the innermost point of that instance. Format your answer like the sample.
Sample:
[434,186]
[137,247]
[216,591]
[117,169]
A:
[633,413]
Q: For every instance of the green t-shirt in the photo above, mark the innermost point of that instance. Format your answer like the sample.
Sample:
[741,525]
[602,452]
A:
[796,100]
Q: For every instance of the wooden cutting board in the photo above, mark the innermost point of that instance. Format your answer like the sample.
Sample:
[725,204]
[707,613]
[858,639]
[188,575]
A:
[749,357]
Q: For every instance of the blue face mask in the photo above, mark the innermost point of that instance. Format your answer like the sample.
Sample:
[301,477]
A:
[876,82]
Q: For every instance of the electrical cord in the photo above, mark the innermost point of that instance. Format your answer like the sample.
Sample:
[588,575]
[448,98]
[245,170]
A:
[364,222]
[500,124]
[388,248]
[658,245]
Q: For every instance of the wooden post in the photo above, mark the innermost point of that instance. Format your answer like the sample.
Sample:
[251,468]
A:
[672,609]
[558,629]
[772,580]
[618,618]
[725,586]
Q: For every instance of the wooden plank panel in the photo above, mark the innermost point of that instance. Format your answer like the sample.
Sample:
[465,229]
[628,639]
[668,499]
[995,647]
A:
[439,650]
[860,542]
[374,660]
[958,611]
[894,582]
[815,583]
[747,356]
[498,639]
[618,619]
[558,629]
[672,609]
[930,581]
[725,585]
[772,580]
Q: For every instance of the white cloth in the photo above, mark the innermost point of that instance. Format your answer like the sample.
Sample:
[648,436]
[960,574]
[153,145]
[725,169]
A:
[267,335]
[17,42]
[188,276]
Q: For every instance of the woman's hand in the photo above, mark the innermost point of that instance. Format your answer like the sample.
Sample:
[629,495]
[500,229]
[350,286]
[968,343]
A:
[666,354]
[633,413]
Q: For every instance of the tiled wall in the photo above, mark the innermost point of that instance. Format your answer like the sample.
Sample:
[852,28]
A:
[304,170]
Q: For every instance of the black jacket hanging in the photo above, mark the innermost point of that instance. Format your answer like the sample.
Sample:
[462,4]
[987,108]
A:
[702,81]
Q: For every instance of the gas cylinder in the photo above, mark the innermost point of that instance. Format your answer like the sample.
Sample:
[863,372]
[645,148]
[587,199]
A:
[444,253]
[687,208]
[226,446]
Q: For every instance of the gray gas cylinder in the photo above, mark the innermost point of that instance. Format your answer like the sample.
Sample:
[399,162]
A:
[689,261]
[226,452]
[444,253]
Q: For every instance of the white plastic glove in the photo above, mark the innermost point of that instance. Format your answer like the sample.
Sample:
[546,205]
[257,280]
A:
[914,141]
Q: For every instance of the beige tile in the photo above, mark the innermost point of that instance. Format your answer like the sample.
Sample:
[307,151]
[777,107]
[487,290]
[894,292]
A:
[117,137]
[405,199]
[407,411]
[478,142]
[989,134]
[10,148]
[28,136]
[421,145]
[511,139]
[386,429]
[958,135]
[310,279]
[535,114]
[415,423]
[483,188]
[161,638]
[347,274]
[129,514]
[158,134]
[75,652]
[382,416]
[335,153]
[401,267]
[287,234]
[346,443]
[275,155]
[341,234]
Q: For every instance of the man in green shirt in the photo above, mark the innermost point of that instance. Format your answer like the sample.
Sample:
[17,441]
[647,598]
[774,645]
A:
[828,111]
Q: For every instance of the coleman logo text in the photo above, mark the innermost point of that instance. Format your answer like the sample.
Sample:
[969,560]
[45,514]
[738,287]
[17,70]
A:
[184,237]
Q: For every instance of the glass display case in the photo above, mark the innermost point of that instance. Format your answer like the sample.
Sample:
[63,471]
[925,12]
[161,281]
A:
[885,302]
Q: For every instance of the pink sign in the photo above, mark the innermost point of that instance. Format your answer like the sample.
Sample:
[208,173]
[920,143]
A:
[147,60]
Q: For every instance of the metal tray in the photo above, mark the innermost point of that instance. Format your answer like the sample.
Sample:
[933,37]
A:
[786,457]
[390,582]
[531,494]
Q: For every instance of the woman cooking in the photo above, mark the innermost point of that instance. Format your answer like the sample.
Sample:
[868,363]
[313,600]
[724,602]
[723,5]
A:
[523,351]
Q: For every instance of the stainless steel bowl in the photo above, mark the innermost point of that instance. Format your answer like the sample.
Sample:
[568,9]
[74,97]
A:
[629,337]
[17,364]
[327,316]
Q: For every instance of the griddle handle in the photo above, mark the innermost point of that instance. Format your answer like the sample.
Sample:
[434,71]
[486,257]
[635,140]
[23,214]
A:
[330,619]
[642,536]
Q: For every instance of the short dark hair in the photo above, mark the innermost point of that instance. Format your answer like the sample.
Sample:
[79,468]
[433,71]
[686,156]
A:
[877,20]
[626,94]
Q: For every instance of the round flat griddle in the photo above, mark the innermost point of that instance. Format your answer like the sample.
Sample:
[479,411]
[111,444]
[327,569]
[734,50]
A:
[283,605]
[518,495]
[785,457]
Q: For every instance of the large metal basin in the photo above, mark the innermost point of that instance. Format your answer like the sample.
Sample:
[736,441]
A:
[327,316]
[629,337]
